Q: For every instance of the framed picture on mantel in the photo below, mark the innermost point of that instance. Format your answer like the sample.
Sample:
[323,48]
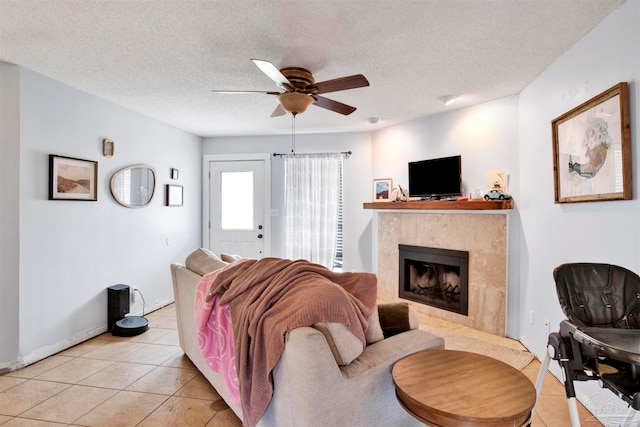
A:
[591,149]
[382,189]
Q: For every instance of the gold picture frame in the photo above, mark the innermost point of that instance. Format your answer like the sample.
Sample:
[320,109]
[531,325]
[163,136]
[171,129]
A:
[72,179]
[382,189]
[592,149]
[108,147]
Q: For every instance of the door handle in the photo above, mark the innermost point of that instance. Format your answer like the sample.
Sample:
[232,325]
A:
[259,236]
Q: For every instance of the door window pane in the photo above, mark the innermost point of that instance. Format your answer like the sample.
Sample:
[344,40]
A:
[236,196]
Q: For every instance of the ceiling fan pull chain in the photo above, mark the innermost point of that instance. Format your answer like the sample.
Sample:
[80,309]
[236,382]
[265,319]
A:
[293,133]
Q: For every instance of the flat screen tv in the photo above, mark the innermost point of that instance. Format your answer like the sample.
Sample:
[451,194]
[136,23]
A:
[436,178]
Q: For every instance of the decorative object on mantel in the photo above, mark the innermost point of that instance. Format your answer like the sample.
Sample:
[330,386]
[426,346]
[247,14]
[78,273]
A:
[591,149]
[174,173]
[496,194]
[173,195]
[398,195]
[108,147]
[497,180]
[382,189]
[475,195]
[497,188]
[72,179]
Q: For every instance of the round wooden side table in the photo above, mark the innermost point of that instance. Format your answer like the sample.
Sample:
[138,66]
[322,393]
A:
[451,388]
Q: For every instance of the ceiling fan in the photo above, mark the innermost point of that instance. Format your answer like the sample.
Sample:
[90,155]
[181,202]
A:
[301,90]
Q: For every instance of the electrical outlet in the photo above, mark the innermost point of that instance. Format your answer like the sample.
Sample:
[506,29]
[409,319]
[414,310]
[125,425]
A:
[531,317]
[132,296]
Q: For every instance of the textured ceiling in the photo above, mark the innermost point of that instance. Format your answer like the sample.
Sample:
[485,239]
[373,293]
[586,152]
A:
[163,58]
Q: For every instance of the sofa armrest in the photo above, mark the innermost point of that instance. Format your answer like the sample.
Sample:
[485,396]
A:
[392,349]
[311,390]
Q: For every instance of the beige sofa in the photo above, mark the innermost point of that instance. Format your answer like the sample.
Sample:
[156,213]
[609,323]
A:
[310,387]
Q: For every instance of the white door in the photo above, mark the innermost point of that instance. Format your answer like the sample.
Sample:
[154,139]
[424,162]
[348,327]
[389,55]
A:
[237,207]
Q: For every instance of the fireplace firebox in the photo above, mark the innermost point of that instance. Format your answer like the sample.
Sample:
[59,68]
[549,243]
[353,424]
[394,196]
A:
[435,277]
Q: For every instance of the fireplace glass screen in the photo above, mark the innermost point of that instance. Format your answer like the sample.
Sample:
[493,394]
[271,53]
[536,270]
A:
[435,277]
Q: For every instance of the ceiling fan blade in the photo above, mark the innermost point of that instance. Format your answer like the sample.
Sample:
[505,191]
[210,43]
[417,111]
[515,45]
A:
[244,92]
[332,105]
[274,74]
[279,111]
[341,83]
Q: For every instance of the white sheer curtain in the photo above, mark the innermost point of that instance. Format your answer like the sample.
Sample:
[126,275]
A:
[311,206]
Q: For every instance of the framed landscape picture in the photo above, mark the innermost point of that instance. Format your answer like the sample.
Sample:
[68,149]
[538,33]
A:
[72,179]
[591,149]
[382,189]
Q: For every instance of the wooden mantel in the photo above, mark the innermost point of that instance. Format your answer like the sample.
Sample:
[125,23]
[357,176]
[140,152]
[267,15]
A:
[442,205]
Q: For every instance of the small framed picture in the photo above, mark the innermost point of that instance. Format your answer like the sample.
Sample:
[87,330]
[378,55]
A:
[174,173]
[174,195]
[107,147]
[382,189]
[72,179]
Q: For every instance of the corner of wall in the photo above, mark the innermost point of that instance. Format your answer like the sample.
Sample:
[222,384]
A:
[9,210]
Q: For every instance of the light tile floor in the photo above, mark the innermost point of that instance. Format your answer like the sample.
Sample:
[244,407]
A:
[147,381]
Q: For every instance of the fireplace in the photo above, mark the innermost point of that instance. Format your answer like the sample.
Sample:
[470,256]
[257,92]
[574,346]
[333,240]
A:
[435,277]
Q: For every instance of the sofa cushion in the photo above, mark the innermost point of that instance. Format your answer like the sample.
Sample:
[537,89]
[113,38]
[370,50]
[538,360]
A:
[397,317]
[344,346]
[202,261]
[374,333]
[230,258]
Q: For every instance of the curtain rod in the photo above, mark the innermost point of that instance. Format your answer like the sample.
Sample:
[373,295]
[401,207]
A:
[344,153]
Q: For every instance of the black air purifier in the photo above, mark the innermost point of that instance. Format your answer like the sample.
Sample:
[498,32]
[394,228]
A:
[117,308]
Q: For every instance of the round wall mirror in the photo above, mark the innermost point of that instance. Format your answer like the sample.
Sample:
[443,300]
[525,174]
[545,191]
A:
[134,186]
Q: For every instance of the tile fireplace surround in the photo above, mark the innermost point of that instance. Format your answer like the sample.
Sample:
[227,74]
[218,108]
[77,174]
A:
[482,233]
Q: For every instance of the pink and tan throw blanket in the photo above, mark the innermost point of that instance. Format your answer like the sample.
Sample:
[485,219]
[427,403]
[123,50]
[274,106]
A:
[215,336]
[271,296]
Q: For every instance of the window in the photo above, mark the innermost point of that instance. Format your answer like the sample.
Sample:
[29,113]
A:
[236,197]
[313,184]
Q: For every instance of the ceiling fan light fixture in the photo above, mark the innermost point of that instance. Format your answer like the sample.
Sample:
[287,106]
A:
[295,102]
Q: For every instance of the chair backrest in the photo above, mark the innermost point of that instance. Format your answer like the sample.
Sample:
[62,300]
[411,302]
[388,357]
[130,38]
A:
[601,295]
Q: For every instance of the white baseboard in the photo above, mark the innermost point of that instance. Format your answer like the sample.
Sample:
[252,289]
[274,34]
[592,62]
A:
[50,350]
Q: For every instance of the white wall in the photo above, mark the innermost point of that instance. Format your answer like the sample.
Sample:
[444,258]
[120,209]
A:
[606,232]
[69,252]
[356,186]
[486,137]
[9,208]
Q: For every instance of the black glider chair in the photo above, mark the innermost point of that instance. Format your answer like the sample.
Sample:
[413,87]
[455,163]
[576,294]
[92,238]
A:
[600,339]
